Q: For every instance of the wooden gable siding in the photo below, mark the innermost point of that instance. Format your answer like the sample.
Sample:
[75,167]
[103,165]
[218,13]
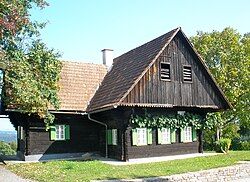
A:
[151,89]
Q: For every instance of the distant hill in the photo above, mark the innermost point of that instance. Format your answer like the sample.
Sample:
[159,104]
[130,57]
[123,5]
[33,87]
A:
[8,136]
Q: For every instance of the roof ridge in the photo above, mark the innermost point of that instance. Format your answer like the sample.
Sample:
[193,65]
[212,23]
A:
[79,62]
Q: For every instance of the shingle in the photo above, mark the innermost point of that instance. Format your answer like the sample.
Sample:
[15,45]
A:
[78,83]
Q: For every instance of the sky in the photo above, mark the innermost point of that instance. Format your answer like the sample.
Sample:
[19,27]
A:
[80,29]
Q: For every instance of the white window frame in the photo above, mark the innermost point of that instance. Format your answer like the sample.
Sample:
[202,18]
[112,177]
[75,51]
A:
[187,134]
[60,132]
[142,136]
[165,136]
[114,136]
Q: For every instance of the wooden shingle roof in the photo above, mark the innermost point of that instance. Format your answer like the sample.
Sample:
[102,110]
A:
[126,70]
[78,84]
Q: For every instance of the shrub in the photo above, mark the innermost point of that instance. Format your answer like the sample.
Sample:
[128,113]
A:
[13,145]
[245,145]
[223,145]
[5,149]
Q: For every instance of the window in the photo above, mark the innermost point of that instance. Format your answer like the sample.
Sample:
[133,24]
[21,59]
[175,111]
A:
[187,134]
[165,71]
[60,132]
[112,137]
[164,136]
[141,136]
[187,73]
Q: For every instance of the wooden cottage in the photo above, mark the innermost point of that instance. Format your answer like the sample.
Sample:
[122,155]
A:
[103,112]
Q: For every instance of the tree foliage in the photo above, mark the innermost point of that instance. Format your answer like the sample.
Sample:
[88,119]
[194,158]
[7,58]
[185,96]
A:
[32,70]
[5,149]
[227,54]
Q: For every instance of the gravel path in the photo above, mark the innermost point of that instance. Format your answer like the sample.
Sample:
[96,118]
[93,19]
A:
[7,176]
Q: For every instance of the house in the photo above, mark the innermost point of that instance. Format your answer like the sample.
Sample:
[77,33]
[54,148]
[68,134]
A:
[132,109]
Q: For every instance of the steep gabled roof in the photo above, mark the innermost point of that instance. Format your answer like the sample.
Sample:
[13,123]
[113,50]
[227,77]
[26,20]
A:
[78,84]
[130,67]
[126,71]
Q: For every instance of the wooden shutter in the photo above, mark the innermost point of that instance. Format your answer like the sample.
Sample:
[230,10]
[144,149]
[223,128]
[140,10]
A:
[187,73]
[159,135]
[52,133]
[134,137]
[109,137]
[149,136]
[194,134]
[173,136]
[165,71]
[182,135]
[67,132]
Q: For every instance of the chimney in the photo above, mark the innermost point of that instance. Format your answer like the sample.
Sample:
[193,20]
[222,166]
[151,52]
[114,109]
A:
[107,57]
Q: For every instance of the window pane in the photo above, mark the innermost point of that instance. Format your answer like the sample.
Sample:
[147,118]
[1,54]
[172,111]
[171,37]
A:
[142,136]
[114,136]
[60,133]
[165,135]
[187,134]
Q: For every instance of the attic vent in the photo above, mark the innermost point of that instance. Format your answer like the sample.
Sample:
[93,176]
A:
[165,71]
[187,74]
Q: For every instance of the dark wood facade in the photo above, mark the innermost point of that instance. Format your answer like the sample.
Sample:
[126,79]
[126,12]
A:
[124,150]
[84,135]
[151,89]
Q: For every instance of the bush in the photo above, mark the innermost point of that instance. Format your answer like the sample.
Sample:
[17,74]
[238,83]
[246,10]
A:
[5,149]
[245,145]
[230,131]
[209,139]
[13,145]
[223,145]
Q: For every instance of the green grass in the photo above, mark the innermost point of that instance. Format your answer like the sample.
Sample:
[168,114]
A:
[95,170]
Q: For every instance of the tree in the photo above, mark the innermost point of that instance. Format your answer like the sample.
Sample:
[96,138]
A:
[32,70]
[227,54]
[5,149]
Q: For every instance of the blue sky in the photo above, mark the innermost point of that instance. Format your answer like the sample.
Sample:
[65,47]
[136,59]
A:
[80,29]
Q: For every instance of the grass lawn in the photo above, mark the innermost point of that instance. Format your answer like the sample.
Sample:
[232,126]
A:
[95,170]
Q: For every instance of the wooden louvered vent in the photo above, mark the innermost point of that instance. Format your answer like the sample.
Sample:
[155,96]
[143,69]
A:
[187,74]
[165,71]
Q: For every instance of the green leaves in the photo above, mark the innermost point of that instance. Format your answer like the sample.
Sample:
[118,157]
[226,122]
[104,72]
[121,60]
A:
[32,70]
[31,80]
[168,121]
[227,54]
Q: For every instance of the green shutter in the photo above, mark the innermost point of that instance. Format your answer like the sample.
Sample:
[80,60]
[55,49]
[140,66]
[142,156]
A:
[67,132]
[194,134]
[134,137]
[182,135]
[109,137]
[149,136]
[52,133]
[173,136]
[159,134]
